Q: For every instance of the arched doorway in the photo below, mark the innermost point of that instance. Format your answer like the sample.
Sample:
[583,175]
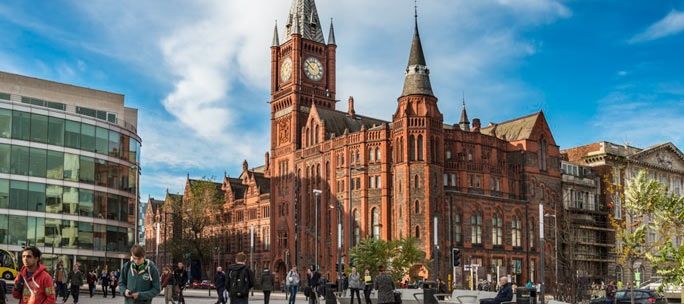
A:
[279,275]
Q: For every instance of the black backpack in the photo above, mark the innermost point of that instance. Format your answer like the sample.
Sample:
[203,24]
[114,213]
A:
[239,283]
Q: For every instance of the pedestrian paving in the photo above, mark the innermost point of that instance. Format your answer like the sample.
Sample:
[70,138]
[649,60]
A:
[192,297]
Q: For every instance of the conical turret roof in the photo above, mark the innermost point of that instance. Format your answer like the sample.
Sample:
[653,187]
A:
[417,81]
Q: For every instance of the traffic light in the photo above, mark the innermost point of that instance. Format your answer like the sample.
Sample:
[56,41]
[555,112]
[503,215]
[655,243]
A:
[456,256]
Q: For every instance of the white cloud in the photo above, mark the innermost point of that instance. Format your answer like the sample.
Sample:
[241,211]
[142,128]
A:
[642,115]
[672,24]
[206,52]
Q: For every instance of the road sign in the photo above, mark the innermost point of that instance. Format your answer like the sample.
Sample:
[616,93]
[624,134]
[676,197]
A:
[466,267]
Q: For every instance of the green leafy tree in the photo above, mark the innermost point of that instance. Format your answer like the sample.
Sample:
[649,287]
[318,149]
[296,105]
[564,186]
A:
[398,256]
[648,207]
[203,198]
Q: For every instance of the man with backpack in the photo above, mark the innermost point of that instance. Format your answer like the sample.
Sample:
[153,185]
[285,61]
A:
[140,281]
[240,280]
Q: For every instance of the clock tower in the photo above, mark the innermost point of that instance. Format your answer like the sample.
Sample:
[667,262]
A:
[302,75]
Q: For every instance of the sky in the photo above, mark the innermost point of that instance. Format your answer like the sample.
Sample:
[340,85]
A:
[199,71]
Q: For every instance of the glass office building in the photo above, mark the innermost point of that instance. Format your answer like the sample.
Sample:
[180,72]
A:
[69,172]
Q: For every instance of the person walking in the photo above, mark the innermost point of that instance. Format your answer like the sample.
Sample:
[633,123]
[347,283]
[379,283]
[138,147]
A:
[385,287]
[167,283]
[610,292]
[3,292]
[220,284]
[104,281]
[91,278]
[60,281]
[114,282]
[240,280]
[75,280]
[314,278]
[139,281]
[180,277]
[33,284]
[292,282]
[368,286]
[355,284]
[266,284]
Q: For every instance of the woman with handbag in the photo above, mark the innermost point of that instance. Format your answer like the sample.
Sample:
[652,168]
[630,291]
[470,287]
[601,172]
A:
[292,282]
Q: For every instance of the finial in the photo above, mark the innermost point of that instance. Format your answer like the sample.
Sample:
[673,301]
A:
[463,94]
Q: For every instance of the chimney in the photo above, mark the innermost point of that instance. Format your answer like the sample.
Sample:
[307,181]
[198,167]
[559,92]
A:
[267,159]
[350,108]
[476,125]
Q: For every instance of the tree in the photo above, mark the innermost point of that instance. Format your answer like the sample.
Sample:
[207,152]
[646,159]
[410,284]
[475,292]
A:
[648,208]
[203,198]
[398,256]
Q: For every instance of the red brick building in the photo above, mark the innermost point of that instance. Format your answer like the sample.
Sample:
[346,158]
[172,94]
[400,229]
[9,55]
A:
[392,178]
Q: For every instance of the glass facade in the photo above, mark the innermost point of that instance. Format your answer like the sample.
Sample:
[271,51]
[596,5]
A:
[68,133]
[74,200]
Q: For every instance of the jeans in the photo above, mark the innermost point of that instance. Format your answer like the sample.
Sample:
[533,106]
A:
[91,289]
[293,293]
[221,292]
[181,299]
[358,295]
[267,296]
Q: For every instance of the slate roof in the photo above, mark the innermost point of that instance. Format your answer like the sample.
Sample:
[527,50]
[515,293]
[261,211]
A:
[336,122]
[237,187]
[515,129]
[154,204]
[303,19]
[417,81]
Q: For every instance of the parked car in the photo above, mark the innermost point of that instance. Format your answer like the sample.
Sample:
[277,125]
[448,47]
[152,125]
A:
[641,296]
[205,284]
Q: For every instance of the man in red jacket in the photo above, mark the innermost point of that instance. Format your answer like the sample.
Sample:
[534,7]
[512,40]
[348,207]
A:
[33,284]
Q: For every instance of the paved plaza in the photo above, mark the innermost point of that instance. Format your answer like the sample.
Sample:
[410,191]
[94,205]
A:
[194,297]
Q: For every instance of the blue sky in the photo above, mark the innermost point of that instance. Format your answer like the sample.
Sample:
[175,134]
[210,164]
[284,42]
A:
[199,70]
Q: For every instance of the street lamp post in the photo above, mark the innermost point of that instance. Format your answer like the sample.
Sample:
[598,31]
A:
[541,243]
[555,240]
[435,243]
[339,246]
[317,194]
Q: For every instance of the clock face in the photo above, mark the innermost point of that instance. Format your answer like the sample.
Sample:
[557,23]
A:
[286,70]
[313,69]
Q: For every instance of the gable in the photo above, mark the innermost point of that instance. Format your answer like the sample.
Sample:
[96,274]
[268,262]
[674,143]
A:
[665,156]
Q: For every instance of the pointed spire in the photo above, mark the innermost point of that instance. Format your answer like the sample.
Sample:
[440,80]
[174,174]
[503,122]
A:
[464,123]
[276,40]
[331,34]
[417,81]
[304,21]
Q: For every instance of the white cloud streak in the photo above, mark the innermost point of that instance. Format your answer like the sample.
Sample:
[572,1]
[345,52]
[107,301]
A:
[207,53]
[671,24]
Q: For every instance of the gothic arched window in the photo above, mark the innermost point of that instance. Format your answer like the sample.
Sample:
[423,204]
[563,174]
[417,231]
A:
[497,229]
[516,232]
[419,147]
[412,148]
[375,222]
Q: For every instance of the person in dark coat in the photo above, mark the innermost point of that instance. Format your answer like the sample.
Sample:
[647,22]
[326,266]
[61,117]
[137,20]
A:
[180,277]
[91,278]
[385,287]
[104,280]
[236,273]
[266,284]
[220,284]
[314,278]
[505,294]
